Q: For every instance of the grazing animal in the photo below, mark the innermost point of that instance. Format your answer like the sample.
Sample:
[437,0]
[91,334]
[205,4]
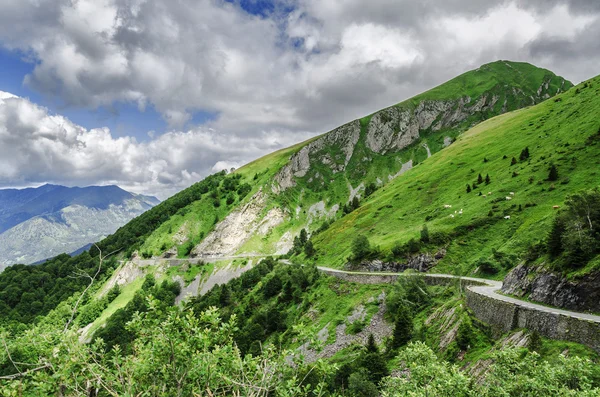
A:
[451,215]
[484,196]
[512,193]
[447,206]
[508,198]
[507,217]
[489,193]
[556,207]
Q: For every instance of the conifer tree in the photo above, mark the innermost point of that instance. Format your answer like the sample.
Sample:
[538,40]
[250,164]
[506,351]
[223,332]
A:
[487,179]
[553,174]
[403,328]
[513,161]
[468,188]
[479,179]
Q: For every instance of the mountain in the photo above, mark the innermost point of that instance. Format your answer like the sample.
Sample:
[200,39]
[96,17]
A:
[469,178]
[302,186]
[39,223]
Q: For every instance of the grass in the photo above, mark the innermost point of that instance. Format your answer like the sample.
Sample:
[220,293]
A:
[555,131]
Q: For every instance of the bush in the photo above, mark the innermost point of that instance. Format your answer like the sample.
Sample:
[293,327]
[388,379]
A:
[553,173]
[425,234]
[361,248]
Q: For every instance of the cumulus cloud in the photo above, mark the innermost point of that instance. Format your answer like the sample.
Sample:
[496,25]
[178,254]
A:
[272,80]
[38,147]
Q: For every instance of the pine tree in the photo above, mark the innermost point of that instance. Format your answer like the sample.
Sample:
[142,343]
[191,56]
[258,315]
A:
[487,179]
[479,179]
[371,345]
[425,234]
[309,249]
[303,237]
[468,188]
[524,154]
[403,328]
[513,161]
[554,242]
[553,174]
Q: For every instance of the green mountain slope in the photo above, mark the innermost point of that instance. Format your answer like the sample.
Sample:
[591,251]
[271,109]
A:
[560,132]
[302,186]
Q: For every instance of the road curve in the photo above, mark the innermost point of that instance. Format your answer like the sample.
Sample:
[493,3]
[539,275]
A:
[479,286]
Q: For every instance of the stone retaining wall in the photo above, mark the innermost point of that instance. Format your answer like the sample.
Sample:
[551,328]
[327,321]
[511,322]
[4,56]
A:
[505,316]
[502,316]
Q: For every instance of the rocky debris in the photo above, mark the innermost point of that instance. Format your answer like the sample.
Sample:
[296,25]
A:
[552,289]
[358,314]
[420,262]
[319,210]
[449,325]
[380,329]
[344,137]
[233,231]
[354,192]
[447,141]
[125,274]
[518,339]
[220,277]
[405,167]
[285,243]
[181,236]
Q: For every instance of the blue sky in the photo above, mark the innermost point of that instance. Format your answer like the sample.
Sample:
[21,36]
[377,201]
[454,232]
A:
[123,119]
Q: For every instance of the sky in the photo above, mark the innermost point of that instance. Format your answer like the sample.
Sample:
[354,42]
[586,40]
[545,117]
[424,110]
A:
[154,95]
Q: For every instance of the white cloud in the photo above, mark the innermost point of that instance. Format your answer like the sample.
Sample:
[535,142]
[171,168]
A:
[271,80]
[37,147]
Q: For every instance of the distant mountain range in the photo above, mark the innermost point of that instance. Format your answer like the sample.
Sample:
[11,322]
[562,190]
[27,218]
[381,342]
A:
[39,223]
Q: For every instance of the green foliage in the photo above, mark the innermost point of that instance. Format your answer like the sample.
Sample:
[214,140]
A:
[403,328]
[574,232]
[425,234]
[27,292]
[361,248]
[553,173]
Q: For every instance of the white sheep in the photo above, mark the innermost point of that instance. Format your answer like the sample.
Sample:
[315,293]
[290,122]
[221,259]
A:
[507,217]
[489,193]
[512,193]
[451,215]
[484,196]
[447,206]
[455,211]
[460,212]
[508,198]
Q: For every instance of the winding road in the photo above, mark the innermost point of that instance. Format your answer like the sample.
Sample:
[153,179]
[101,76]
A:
[479,286]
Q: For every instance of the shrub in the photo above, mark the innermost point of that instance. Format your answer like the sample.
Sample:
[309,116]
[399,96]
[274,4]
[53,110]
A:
[553,173]
[361,248]
[425,234]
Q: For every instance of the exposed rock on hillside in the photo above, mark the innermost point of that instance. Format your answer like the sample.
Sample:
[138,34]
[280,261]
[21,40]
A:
[554,290]
[420,262]
[239,226]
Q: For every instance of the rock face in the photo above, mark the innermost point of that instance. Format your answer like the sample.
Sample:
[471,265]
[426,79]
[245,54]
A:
[239,226]
[343,138]
[554,290]
[421,263]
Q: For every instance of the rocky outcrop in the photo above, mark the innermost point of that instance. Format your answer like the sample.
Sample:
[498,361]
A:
[420,262]
[553,289]
[233,231]
[344,138]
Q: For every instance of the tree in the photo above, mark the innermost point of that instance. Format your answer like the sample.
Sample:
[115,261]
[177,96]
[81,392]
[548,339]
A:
[361,248]
[524,154]
[370,189]
[371,345]
[535,342]
[468,188]
[487,179]
[554,242]
[513,161]
[403,328]
[425,234]
[303,237]
[479,179]
[553,173]
[309,249]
